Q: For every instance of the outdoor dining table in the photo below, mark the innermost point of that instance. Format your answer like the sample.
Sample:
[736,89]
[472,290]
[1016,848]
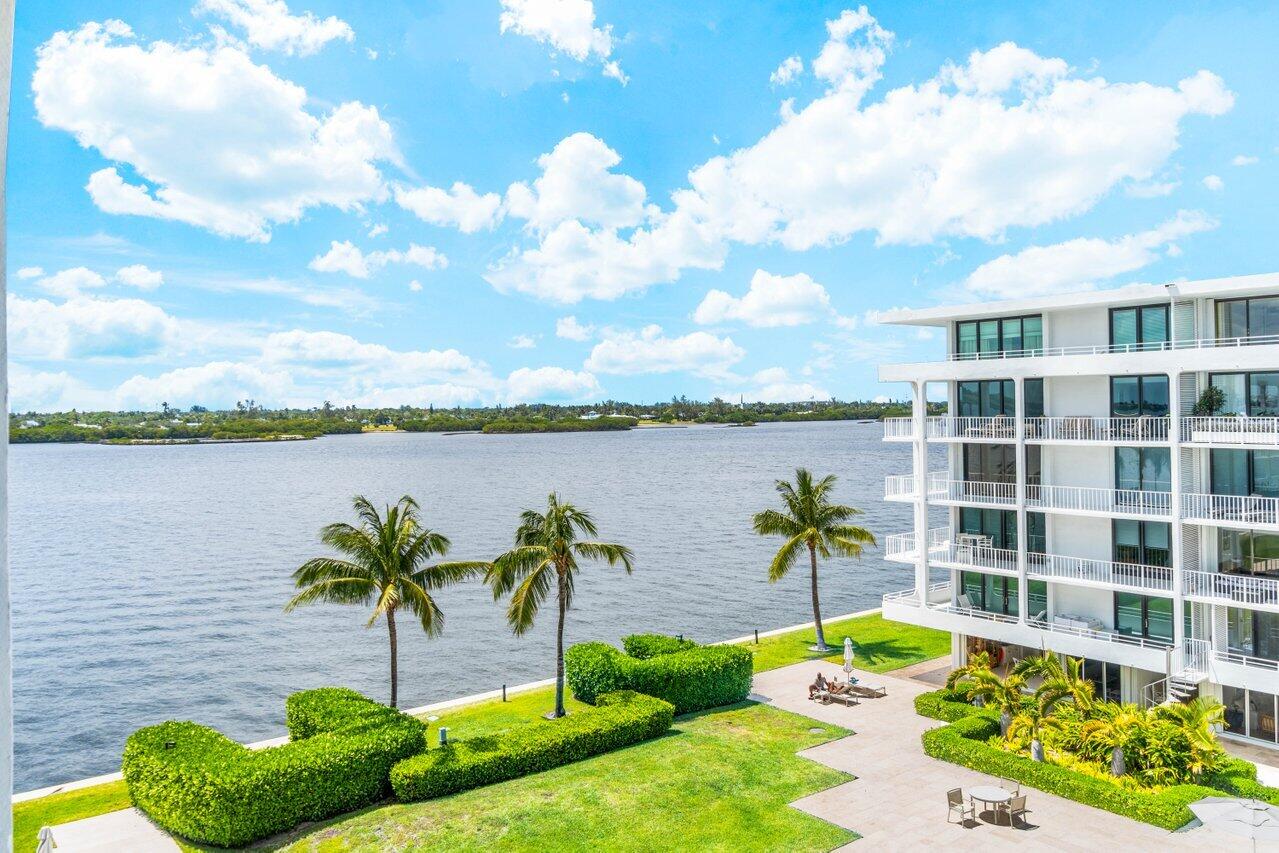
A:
[991,795]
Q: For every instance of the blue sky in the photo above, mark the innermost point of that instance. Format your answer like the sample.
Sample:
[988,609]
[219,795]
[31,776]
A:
[472,202]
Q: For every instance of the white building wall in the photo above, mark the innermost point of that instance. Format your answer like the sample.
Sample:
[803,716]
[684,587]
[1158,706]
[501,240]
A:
[1080,327]
[1080,536]
[1085,601]
[1078,396]
[1071,465]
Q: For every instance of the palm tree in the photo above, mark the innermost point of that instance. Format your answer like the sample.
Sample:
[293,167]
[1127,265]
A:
[1006,694]
[384,563]
[811,521]
[1057,685]
[1197,719]
[544,557]
[1114,727]
[977,662]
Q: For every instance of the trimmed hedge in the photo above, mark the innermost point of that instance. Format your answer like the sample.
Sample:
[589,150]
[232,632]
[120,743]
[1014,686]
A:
[211,789]
[644,646]
[948,705]
[693,679]
[619,719]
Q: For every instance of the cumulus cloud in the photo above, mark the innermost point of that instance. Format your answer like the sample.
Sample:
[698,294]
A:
[348,258]
[567,26]
[577,182]
[30,272]
[139,276]
[71,282]
[460,206]
[1214,183]
[650,351]
[1245,160]
[772,300]
[268,24]
[852,68]
[529,385]
[204,135]
[1082,263]
[88,327]
[522,342]
[568,327]
[774,385]
[787,72]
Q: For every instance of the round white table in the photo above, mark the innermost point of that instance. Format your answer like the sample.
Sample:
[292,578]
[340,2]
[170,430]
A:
[991,795]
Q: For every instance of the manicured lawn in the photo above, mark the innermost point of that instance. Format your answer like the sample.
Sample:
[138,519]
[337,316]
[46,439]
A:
[880,645]
[486,718]
[720,781]
[28,817]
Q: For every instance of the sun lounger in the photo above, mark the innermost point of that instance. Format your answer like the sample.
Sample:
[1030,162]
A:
[826,697]
[868,691]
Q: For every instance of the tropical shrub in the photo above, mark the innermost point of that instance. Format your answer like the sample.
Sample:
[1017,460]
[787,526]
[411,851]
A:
[691,680]
[643,646]
[619,719]
[948,705]
[201,785]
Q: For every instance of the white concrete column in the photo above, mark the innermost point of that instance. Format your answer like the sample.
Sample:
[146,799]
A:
[6,649]
[1174,469]
[919,444]
[1019,431]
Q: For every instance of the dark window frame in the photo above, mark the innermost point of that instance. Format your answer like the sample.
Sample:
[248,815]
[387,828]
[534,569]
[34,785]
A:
[1145,615]
[1247,381]
[1141,541]
[979,355]
[1251,465]
[1010,603]
[1142,345]
[1141,392]
[1141,470]
[1247,316]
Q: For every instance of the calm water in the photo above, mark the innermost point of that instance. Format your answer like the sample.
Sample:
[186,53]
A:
[148,582]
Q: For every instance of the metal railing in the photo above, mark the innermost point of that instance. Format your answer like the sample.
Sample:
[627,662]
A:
[1240,589]
[997,428]
[1095,634]
[1244,660]
[903,544]
[899,429]
[903,595]
[1194,656]
[1136,575]
[1230,430]
[988,492]
[1108,349]
[1240,509]
[900,486]
[1089,499]
[1140,429]
[977,556]
[976,614]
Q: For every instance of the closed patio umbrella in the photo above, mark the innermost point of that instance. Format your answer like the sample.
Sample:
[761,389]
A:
[848,658]
[1247,818]
[45,844]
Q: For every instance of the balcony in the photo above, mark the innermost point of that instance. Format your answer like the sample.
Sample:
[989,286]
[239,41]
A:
[944,490]
[1122,349]
[1235,431]
[1000,429]
[1100,573]
[1085,500]
[1084,430]
[900,487]
[1234,590]
[899,429]
[901,548]
[1249,511]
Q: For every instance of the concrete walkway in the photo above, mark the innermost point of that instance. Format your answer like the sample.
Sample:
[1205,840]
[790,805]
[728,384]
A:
[127,829]
[898,800]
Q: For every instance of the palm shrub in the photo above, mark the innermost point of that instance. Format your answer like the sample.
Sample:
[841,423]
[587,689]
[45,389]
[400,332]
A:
[811,522]
[385,563]
[545,558]
[1197,720]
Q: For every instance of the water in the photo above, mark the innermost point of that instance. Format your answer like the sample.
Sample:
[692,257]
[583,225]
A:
[148,582]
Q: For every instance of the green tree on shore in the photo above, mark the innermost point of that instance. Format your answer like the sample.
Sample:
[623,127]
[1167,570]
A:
[543,560]
[384,563]
[811,522]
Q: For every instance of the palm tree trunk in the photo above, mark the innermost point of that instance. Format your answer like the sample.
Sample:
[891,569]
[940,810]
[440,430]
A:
[817,607]
[559,653]
[395,675]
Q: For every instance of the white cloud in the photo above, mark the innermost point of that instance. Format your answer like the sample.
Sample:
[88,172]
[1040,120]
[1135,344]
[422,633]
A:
[568,327]
[1151,189]
[568,26]
[852,68]
[577,184]
[522,342]
[30,272]
[47,391]
[269,25]
[415,286]
[774,385]
[530,385]
[650,351]
[88,327]
[787,72]
[217,384]
[378,230]
[213,139]
[459,206]
[71,282]
[1081,263]
[139,276]
[772,300]
[1214,183]
[1245,160]
[348,258]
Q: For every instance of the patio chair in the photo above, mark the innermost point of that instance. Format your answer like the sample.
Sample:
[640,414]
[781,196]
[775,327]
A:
[868,691]
[1011,786]
[843,697]
[1015,808]
[955,803]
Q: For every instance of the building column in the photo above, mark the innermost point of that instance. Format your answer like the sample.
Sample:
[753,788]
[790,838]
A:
[1174,469]
[1019,432]
[919,466]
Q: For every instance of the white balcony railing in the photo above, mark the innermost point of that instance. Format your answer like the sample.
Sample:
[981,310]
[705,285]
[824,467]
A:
[974,613]
[899,429]
[1098,634]
[1088,499]
[899,486]
[942,488]
[1231,509]
[1105,572]
[1244,660]
[1236,589]
[1231,430]
[999,428]
[938,592]
[902,545]
[1106,349]
[1139,429]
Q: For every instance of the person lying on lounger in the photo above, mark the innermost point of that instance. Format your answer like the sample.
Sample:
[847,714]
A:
[821,685]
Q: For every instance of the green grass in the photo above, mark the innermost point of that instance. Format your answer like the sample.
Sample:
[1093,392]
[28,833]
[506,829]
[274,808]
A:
[881,645]
[720,781]
[28,817]
[493,716]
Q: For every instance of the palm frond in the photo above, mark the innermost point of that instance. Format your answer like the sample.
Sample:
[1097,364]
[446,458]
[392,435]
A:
[770,522]
[609,551]
[785,558]
[528,598]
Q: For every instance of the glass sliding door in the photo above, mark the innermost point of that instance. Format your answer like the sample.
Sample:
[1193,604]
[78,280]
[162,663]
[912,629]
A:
[1146,469]
[1144,616]
[1133,396]
[1256,317]
[1244,472]
[1140,328]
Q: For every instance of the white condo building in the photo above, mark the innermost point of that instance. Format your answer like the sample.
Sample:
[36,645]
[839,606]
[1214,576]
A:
[1095,504]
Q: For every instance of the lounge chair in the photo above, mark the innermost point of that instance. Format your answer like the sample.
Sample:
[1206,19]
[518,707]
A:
[955,803]
[1014,808]
[843,698]
[868,691]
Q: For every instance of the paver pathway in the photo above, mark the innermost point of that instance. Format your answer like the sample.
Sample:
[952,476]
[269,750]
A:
[898,800]
[127,829]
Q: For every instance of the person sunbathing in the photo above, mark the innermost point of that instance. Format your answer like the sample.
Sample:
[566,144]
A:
[838,689]
[821,685]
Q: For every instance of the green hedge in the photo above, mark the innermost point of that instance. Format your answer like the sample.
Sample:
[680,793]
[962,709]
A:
[948,705]
[964,742]
[644,646]
[618,719]
[210,789]
[691,680]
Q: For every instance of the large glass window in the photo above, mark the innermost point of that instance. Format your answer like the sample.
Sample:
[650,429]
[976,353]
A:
[1143,542]
[1105,678]
[1248,318]
[1252,394]
[1144,469]
[1140,328]
[1247,552]
[1250,713]
[1254,633]
[1133,396]
[1143,616]
[1034,389]
[966,339]
[991,593]
[1245,472]
[987,398]
[987,338]
[1036,533]
[1000,525]
[990,463]
[1037,599]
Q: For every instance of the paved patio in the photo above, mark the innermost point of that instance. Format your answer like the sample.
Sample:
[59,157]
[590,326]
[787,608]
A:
[898,800]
